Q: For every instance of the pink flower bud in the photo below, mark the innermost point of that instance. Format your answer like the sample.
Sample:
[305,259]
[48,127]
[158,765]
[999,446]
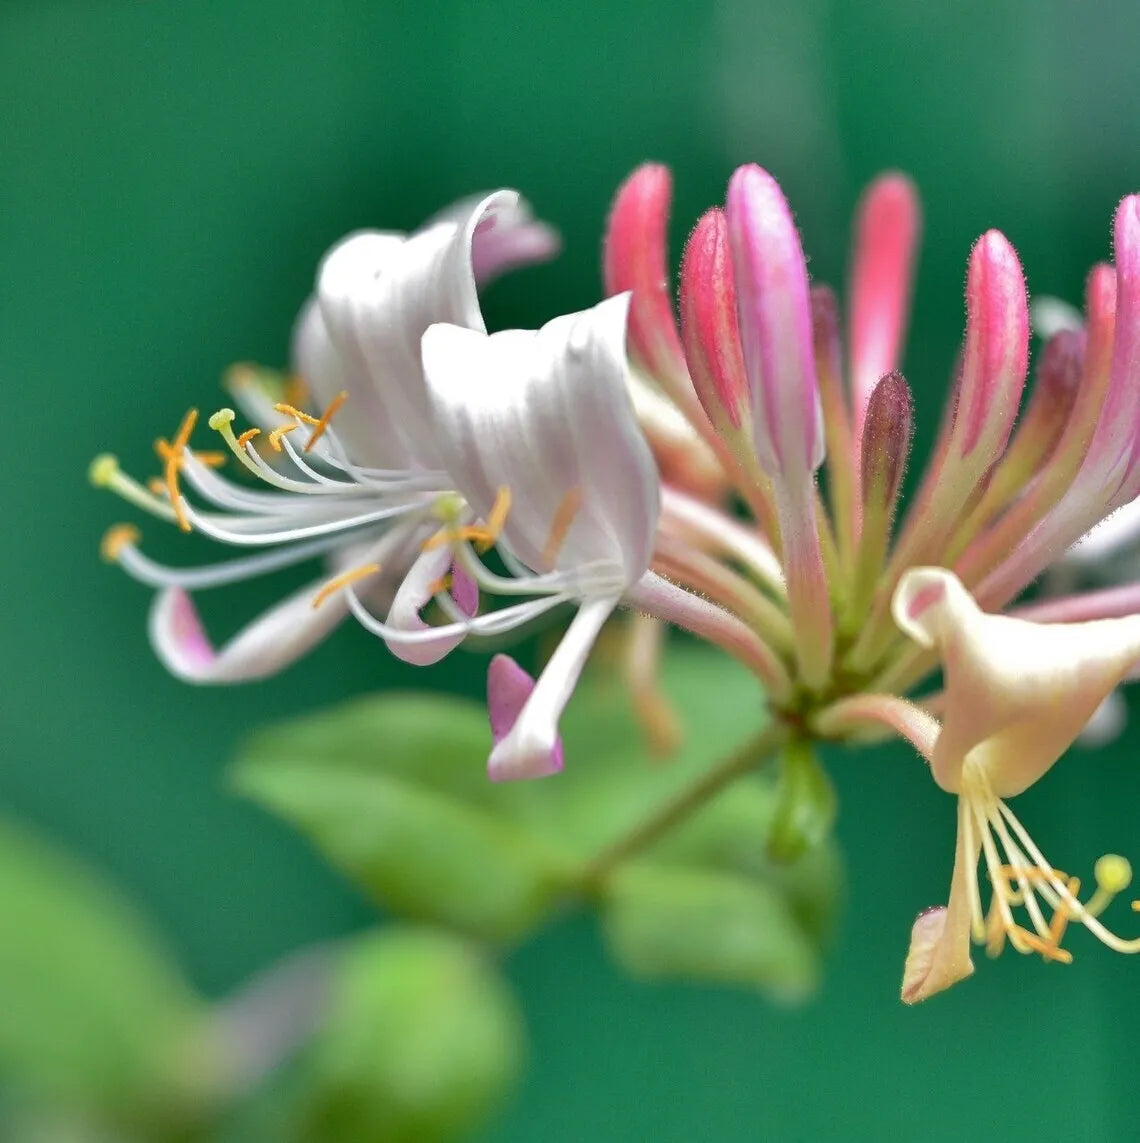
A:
[886,239]
[887,430]
[996,354]
[774,312]
[708,323]
[1055,392]
[634,258]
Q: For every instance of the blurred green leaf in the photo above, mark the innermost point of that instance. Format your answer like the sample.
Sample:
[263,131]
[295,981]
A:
[394,791]
[423,1040]
[713,925]
[91,1007]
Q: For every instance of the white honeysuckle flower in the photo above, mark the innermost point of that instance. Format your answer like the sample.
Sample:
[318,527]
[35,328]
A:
[365,494]
[1017,694]
[539,436]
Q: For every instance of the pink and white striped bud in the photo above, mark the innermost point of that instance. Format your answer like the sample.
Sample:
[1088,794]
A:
[774,312]
[887,230]
[996,355]
[634,257]
[1116,441]
[711,336]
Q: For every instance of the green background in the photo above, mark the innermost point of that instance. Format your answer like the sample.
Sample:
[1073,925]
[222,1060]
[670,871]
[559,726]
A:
[171,170]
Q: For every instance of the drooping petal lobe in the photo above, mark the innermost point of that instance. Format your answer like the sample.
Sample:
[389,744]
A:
[508,689]
[1017,693]
[269,644]
[419,586]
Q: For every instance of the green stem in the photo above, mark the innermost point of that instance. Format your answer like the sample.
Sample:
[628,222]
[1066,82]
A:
[682,804]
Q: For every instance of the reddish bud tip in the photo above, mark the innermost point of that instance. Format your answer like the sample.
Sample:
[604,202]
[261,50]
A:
[887,226]
[887,430]
[634,258]
[708,322]
[996,354]
[774,314]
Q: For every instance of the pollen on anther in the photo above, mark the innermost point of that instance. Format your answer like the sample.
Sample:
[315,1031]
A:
[247,436]
[323,423]
[276,435]
[341,581]
[117,538]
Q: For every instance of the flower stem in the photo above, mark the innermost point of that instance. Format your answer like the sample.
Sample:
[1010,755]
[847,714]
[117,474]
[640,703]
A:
[682,804]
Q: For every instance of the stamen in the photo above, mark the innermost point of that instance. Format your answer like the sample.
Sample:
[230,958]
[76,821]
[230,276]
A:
[245,437]
[171,455]
[276,435]
[293,411]
[560,526]
[1061,916]
[116,539]
[343,580]
[156,485]
[438,586]
[322,424]
[483,536]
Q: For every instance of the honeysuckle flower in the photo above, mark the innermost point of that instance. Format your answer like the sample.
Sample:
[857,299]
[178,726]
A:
[365,493]
[1017,694]
[1001,499]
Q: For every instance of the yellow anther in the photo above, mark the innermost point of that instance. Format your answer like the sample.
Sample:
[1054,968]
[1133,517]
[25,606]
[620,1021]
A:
[103,470]
[278,433]
[497,517]
[334,585]
[1113,873]
[293,411]
[1047,950]
[117,538]
[323,423]
[560,526]
[247,436]
[240,374]
[1136,906]
[156,486]
[440,585]
[1061,915]
[211,459]
[171,456]
[221,418]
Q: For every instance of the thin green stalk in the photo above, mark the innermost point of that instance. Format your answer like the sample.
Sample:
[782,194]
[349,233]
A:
[682,804]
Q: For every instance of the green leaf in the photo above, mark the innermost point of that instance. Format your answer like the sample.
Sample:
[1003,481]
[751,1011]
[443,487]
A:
[423,1041]
[92,1007]
[712,925]
[393,790]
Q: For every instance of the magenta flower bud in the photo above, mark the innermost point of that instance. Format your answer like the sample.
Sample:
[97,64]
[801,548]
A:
[887,228]
[774,312]
[708,323]
[1115,440]
[635,258]
[996,354]
[887,430]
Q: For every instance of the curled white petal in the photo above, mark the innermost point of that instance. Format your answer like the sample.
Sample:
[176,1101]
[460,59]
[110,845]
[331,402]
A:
[1017,693]
[546,415]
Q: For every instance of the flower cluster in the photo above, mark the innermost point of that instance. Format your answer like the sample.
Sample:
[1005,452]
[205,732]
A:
[620,457]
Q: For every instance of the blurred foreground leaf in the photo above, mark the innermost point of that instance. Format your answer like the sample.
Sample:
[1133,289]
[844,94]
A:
[91,1008]
[423,1039]
[393,790]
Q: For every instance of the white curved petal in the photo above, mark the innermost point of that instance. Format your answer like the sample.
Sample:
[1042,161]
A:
[269,644]
[412,595]
[547,415]
[509,688]
[507,238]
[1017,693]
[378,294]
[531,748]
[371,435]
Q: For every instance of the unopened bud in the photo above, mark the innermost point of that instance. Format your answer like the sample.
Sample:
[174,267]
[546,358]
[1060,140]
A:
[709,331]
[635,258]
[887,228]
[1055,392]
[774,313]
[996,354]
[886,441]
